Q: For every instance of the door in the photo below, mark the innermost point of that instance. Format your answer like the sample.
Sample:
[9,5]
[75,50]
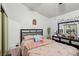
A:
[4,33]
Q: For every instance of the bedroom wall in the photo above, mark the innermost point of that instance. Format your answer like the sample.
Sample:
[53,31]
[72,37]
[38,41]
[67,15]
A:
[13,33]
[42,22]
[65,17]
[25,16]
[53,25]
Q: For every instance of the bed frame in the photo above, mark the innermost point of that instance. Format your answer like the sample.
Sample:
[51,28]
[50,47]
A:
[25,32]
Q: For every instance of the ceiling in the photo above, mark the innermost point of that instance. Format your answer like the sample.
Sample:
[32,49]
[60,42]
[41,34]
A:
[52,9]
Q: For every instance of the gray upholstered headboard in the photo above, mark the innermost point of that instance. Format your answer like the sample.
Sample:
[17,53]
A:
[25,32]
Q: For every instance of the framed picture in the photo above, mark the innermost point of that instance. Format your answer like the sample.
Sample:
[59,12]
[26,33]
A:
[34,22]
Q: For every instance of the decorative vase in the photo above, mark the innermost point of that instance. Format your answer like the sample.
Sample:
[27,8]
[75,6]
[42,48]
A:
[48,31]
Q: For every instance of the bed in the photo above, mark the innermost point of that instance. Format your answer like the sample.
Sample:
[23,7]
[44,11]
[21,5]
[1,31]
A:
[47,48]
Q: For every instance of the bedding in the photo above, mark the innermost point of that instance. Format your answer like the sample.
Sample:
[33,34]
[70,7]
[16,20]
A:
[30,44]
[48,48]
[54,49]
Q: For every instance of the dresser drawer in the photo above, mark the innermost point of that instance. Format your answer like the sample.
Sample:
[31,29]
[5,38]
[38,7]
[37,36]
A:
[75,43]
[64,40]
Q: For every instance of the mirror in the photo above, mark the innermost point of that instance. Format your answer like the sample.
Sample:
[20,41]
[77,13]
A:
[70,28]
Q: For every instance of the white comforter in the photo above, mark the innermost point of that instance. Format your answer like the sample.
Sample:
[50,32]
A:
[54,49]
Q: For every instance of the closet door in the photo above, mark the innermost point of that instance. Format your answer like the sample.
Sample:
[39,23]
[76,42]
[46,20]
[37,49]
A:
[5,33]
[0,33]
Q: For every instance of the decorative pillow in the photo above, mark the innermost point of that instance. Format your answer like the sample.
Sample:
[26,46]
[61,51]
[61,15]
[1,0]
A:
[37,38]
[42,42]
[28,37]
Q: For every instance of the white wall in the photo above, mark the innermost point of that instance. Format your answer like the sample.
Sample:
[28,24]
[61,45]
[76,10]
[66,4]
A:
[13,33]
[25,16]
[53,25]
[42,22]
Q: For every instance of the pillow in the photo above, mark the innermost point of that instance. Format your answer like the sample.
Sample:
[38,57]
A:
[28,37]
[37,38]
